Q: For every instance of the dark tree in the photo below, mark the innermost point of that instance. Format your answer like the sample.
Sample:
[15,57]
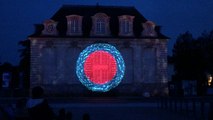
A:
[183,56]
[206,40]
[193,58]
[25,61]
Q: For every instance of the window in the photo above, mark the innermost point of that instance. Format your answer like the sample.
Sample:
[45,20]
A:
[149,29]
[126,25]
[100,26]
[50,28]
[74,24]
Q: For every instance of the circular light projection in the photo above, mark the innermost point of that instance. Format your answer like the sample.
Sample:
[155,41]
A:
[100,67]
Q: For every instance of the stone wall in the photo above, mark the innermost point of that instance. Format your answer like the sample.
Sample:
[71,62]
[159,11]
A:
[53,63]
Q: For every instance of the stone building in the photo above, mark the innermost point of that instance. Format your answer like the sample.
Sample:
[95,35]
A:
[57,43]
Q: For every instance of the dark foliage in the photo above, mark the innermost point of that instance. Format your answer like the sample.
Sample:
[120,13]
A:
[193,58]
[25,61]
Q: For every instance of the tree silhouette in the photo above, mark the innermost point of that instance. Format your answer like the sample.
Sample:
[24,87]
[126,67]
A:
[182,55]
[193,58]
[25,62]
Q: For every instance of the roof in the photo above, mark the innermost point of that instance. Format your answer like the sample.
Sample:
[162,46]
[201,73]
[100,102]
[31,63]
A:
[87,11]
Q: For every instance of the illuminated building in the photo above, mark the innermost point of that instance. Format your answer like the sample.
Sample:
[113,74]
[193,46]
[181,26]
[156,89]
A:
[57,46]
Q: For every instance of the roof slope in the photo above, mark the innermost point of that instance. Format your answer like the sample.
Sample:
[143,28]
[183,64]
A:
[87,11]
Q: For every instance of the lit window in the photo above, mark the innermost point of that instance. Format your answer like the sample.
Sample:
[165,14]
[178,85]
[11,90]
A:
[209,80]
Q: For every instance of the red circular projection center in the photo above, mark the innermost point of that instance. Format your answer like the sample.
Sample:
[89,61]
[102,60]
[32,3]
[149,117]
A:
[100,67]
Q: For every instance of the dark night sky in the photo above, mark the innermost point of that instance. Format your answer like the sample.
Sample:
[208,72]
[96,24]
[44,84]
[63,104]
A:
[175,16]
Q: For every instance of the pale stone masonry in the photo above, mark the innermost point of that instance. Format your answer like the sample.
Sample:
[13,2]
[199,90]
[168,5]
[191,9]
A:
[53,57]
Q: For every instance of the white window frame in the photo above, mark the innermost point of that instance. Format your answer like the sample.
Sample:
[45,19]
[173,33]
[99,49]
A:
[74,25]
[100,25]
[126,25]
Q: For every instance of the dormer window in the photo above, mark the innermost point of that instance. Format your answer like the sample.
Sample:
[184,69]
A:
[126,25]
[100,25]
[74,25]
[50,27]
[149,29]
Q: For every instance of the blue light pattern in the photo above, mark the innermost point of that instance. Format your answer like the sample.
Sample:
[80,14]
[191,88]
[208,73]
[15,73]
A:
[119,72]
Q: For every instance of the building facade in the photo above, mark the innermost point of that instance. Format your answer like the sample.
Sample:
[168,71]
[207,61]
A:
[57,43]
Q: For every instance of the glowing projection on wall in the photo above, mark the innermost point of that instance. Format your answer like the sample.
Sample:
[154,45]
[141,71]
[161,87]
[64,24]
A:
[100,67]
